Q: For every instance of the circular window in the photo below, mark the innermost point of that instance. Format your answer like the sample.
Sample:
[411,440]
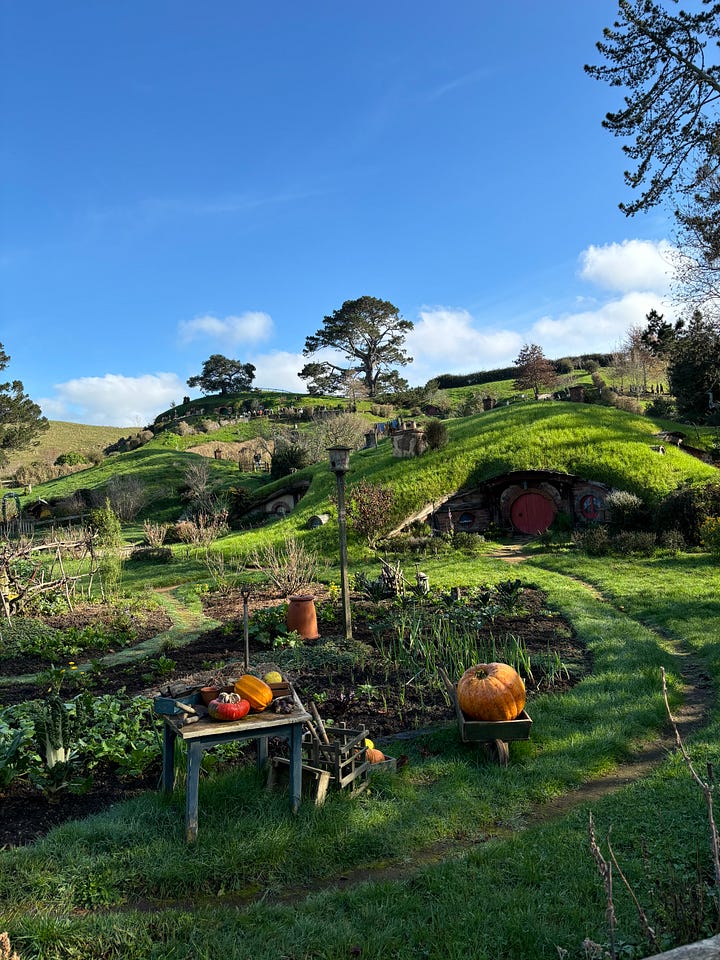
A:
[466,520]
[590,506]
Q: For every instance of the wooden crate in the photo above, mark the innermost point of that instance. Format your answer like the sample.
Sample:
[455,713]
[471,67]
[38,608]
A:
[343,758]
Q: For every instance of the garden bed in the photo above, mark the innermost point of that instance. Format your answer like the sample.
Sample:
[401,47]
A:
[363,683]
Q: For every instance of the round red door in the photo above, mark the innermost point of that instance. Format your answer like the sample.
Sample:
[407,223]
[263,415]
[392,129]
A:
[532,513]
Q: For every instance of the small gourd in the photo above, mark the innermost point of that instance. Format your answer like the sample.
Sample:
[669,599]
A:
[491,692]
[254,690]
[228,706]
[374,755]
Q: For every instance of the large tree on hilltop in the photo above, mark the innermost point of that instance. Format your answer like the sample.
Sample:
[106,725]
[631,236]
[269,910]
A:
[21,420]
[670,110]
[222,375]
[534,370]
[370,334]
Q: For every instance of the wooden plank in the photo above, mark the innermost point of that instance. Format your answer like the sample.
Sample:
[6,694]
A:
[249,724]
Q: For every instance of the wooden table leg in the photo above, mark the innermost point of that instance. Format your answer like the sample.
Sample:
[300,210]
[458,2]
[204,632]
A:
[261,752]
[295,766]
[194,758]
[168,768]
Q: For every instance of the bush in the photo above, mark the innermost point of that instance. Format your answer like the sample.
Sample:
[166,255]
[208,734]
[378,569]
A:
[628,404]
[152,555]
[686,509]
[70,459]
[627,511]
[127,496]
[106,525]
[436,435]
[710,533]
[672,541]
[594,541]
[634,542]
[155,533]
[661,407]
[286,460]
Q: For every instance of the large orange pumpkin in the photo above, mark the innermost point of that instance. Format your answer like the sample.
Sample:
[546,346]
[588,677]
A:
[491,691]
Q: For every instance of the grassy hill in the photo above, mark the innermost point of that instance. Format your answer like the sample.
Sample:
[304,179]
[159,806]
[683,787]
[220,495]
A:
[63,437]
[591,441]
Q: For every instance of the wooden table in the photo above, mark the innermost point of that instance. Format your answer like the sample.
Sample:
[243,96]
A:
[207,733]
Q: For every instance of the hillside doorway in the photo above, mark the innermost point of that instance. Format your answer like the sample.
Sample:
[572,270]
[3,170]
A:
[532,513]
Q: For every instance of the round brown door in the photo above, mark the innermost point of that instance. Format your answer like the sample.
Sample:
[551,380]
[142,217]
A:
[532,512]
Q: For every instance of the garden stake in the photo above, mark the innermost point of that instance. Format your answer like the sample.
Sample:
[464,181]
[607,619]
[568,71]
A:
[318,721]
[245,593]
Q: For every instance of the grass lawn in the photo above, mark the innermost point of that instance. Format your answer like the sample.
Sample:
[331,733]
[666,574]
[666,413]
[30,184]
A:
[476,872]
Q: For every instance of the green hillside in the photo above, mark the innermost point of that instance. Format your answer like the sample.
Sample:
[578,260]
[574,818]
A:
[594,442]
[62,437]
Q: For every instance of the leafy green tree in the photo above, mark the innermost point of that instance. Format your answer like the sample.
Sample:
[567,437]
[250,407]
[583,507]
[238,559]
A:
[669,110]
[659,336]
[534,369]
[287,458]
[697,268]
[21,420]
[370,334]
[224,376]
[694,368]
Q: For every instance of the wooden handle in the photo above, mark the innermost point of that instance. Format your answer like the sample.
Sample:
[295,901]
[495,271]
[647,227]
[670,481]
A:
[318,721]
[185,707]
[313,731]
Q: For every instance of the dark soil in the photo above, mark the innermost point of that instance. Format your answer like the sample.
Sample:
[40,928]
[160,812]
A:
[361,697]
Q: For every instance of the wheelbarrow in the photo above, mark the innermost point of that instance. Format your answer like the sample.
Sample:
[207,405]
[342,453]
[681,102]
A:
[492,735]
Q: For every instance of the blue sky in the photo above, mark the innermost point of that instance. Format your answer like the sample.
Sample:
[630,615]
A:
[182,178]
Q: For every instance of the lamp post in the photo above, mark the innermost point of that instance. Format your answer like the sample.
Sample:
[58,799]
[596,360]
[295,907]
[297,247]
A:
[340,464]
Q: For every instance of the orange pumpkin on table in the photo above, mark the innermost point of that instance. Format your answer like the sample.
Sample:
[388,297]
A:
[256,691]
[491,691]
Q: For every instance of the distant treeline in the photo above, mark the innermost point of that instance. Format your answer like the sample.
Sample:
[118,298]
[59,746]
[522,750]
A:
[446,380]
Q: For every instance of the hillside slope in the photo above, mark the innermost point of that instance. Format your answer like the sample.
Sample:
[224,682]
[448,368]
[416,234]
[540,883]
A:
[593,442]
[63,437]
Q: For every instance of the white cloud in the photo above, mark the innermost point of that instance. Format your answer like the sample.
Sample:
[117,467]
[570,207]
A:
[249,327]
[279,370]
[629,266]
[114,400]
[596,331]
[446,340]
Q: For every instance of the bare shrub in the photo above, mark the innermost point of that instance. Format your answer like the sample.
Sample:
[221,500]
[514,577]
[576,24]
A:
[184,531]
[127,496]
[628,404]
[203,530]
[155,533]
[291,567]
[369,509]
